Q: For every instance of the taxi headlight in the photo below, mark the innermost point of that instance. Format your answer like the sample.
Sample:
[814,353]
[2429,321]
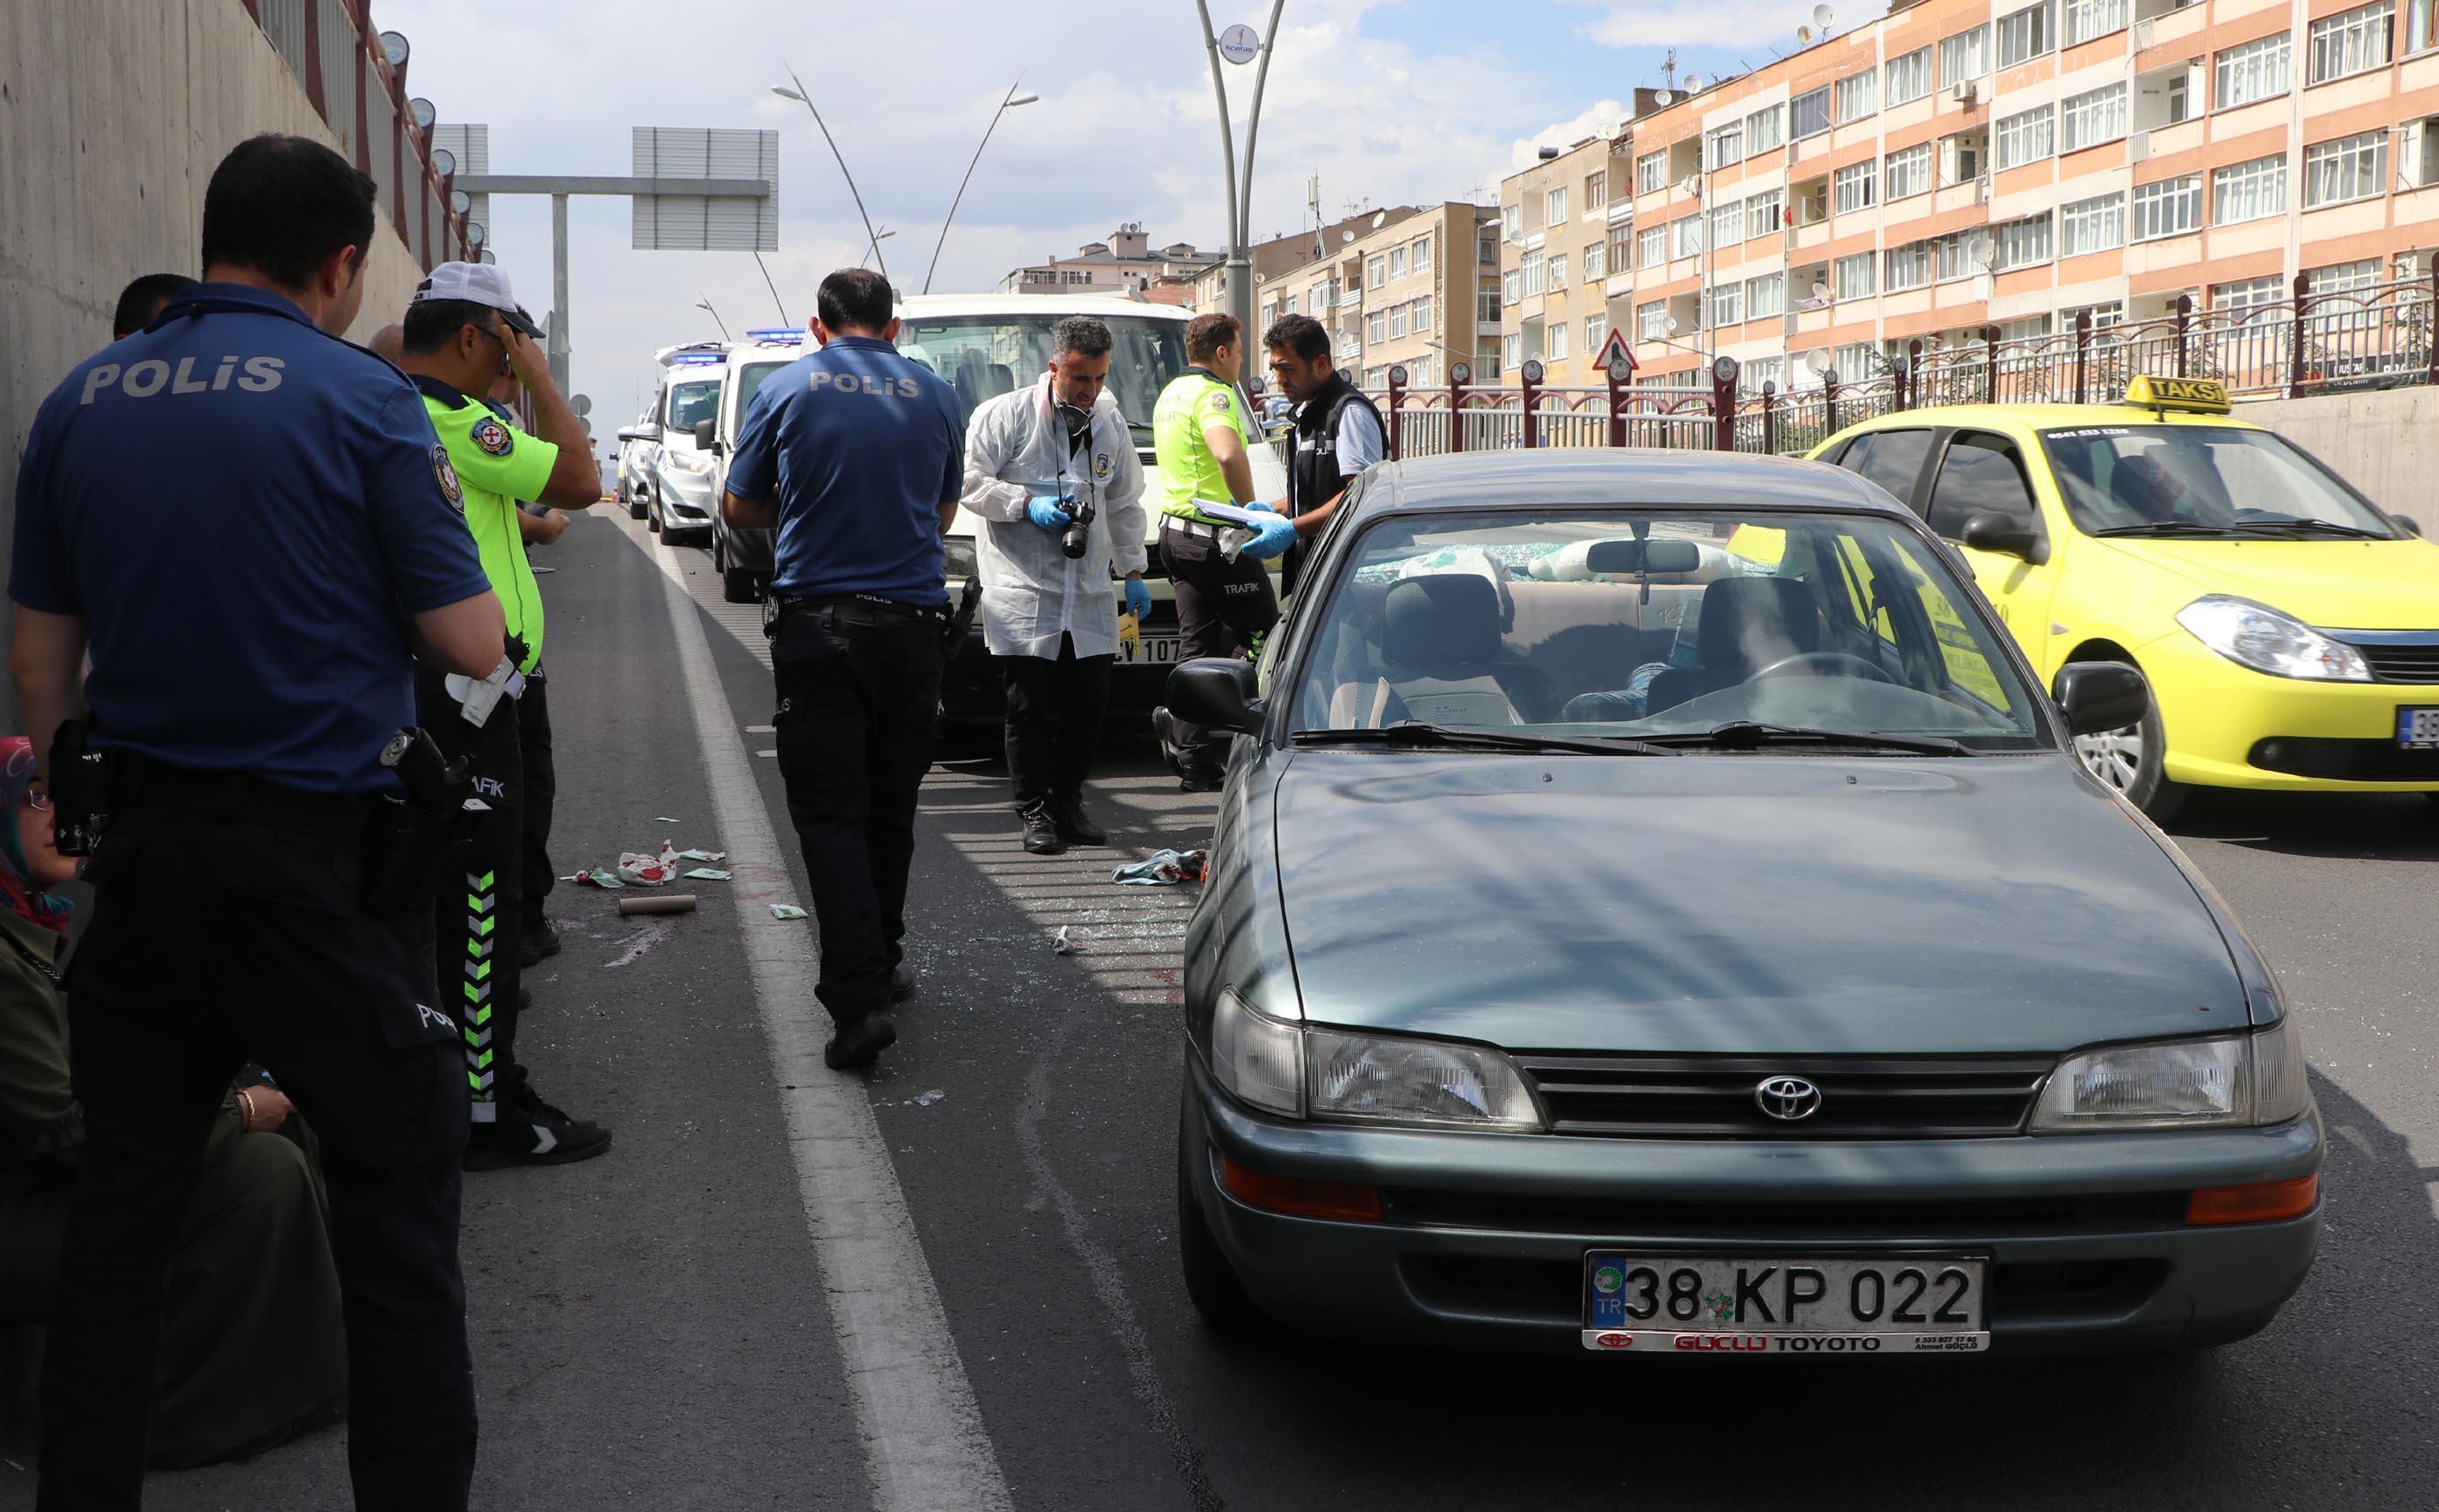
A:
[2260,637]
[1367,1078]
[2224,1081]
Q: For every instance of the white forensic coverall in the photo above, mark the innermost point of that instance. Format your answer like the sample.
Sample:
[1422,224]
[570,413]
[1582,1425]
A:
[1016,446]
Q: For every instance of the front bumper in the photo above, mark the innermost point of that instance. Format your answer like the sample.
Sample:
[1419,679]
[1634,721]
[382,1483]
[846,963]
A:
[685,499]
[1485,1235]
[2229,726]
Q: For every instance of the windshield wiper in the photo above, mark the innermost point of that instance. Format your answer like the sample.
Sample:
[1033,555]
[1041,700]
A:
[2320,527]
[1746,735]
[1417,733]
[2168,527]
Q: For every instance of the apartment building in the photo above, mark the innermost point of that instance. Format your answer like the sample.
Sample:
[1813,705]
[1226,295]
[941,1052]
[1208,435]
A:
[1566,234]
[1963,163]
[1408,288]
[1276,259]
[1125,265]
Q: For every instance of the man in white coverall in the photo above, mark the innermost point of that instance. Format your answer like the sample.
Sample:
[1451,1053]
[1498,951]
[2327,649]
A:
[1050,470]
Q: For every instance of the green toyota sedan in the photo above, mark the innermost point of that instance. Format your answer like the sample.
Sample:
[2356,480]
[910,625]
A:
[1654,907]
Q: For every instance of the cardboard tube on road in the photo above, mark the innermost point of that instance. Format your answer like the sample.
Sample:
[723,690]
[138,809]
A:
[657,903]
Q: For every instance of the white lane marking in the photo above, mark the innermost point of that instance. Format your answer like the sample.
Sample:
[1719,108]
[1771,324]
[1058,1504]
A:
[924,1444]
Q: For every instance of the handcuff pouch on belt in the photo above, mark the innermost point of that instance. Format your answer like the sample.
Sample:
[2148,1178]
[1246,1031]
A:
[79,787]
[416,832]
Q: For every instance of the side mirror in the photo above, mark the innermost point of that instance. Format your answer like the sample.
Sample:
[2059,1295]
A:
[1216,692]
[2408,520]
[2096,696]
[2005,535]
[640,432]
[702,434]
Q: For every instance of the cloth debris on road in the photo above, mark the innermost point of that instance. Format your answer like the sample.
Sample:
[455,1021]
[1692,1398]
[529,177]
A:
[1061,944]
[1167,868]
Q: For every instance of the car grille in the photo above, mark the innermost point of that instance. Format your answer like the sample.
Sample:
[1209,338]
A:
[1921,1219]
[1713,1098]
[2401,661]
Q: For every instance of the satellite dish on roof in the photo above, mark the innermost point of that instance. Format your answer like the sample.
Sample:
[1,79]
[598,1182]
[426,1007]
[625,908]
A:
[1822,16]
[1979,249]
[1816,362]
[1691,184]
[1820,289]
[1346,236]
[1804,36]
[1668,327]
[1693,83]
[1380,219]
[1663,98]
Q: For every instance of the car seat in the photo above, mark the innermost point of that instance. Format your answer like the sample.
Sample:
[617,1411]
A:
[1745,624]
[1443,661]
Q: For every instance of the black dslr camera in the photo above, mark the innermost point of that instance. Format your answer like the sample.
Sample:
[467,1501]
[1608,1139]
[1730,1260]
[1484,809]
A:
[1078,535]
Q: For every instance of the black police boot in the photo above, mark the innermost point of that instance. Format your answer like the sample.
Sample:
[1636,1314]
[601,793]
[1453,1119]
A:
[1163,728]
[902,982]
[1042,829]
[530,1131]
[541,942]
[860,1043]
[1197,782]
[1076,827]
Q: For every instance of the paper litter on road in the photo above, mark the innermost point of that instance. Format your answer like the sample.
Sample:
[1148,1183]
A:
[925,1099]
[598,878]
[702,855]
[1059,944]
[665,819]
[786,911]
[1167,868]
[706,874]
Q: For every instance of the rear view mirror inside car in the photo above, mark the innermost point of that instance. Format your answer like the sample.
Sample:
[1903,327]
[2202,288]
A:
[1643,555]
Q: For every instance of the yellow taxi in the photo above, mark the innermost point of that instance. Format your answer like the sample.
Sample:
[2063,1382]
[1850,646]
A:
[2287,626]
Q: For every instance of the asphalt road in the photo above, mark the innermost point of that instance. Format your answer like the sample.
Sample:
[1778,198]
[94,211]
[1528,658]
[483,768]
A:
[655,1328]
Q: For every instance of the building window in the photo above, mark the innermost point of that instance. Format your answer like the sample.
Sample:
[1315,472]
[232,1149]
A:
[1908,173]
[1556,265]
[1766,296]
[1554,207]
[2249,295]
[2342,278]
[1764,129]
[2351,167]
[1965,55]
[2092,226]
[1486,249]
[1485,307]
[1962,158]
[1688,239]
[1376,327]
[1595,332]
[1651,246]
[1621,247]
[1595,191]
[1909,267]
[1651,320]
[1858,95]
[2090,120]
[2024,35]
[1421,262]
[2349,43]
[1418,370]
[1596,261]
[2249,191]
[1808,114]
[1763,213]
[1511,351]
[1725,146]
[1651,172]
[1556,348]
[1533,270]
[2421,16]
[1909,77]
[1511,288]
[1855,362]
[2023,139]
[1723,305]
[1956,259]
[1396,322]
[1727,223]
[2087,19]
[1855,189]
[1511,221]
[2022,243]
[2103,316]
[2257,70]
[1422,321]
[2031,328]
[1397,263]
[1855,276]
[1376,271]
[2168,208]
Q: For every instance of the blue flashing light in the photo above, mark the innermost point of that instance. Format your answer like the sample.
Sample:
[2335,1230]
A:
[696,360]
[777,336]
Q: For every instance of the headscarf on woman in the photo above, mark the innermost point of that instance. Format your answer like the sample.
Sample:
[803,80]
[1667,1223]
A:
[19,893]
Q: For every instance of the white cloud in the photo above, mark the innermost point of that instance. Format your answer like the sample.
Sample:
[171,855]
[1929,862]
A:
[1699,22]
[1601,120]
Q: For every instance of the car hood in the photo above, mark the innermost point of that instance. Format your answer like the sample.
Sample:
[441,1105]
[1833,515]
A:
[1715,904]
[2335,584]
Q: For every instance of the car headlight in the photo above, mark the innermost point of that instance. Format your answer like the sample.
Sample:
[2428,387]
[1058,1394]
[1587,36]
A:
[1330,1073]
[694,466]
[962,562]
[2260,637]
[2224,1081]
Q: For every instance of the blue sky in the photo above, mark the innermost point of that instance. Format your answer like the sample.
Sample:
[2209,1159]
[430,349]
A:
[1390,101]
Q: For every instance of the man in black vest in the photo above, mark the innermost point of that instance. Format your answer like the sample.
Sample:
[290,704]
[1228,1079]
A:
[1338,432]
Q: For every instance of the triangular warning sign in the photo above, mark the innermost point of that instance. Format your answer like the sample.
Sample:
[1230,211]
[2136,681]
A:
[1613,350]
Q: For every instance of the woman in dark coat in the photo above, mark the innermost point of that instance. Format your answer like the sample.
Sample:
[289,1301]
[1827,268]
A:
[251,1343]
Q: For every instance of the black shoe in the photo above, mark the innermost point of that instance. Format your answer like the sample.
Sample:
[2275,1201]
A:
[1041,830]
[524,1000]
[541,942]
[1190,784]
[902,982]
[1163,728]
[530,1131]
[1076,827]
[860,1043]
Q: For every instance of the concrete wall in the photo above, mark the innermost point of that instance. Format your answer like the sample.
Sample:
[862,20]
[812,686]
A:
[2385,443]
[113,115]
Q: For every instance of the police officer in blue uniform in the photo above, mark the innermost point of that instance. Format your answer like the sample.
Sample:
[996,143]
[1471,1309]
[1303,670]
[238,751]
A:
[252,525]
[857,455]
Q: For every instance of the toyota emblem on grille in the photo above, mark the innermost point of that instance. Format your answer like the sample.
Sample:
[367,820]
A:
[1788,1098]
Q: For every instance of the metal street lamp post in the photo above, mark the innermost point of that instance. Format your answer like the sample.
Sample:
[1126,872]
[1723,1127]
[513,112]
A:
[705,305]
[800,97]
[1011,101]
[872,247]
[1240,47]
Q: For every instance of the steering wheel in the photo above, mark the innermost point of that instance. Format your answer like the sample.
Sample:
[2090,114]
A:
[1824,664]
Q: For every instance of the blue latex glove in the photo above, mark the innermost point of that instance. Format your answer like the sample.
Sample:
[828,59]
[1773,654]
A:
[1045,511]
[1138,597]
[1278,534]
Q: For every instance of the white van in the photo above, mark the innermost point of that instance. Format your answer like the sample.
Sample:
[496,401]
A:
[677,499]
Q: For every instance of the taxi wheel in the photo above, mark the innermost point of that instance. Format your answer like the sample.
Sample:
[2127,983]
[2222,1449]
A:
[1211,1281]
[2130,762]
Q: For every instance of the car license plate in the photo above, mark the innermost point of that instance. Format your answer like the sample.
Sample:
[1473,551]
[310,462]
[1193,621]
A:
[2417,729]
[1148,650]
[1898,1304]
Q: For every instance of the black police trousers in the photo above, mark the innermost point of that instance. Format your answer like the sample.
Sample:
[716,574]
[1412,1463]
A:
[858,687]
[478,909]
[217,940]
[535,874]
[1224,609]
[1054,706]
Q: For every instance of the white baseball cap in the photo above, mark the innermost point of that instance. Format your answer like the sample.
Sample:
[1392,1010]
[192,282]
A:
[480,283]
